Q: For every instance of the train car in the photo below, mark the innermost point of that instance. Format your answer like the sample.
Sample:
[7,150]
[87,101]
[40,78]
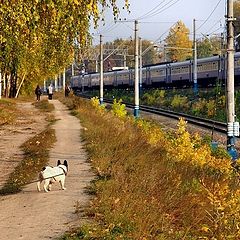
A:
[122,78]
[237,68]
[109,79]
[94,81]
[76,82]
[208,71]
[157,75]
[178,74]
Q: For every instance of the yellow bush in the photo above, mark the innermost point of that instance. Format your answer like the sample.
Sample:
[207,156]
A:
[152,132]
[211,108]
[224,215]
[119,109]
[96,104]
[190,149]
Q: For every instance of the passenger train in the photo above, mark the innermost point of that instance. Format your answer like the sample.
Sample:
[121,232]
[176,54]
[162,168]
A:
[163,75]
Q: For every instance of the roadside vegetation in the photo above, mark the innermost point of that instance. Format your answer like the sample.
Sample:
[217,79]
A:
[36,152]
[209,103]
[151,184]
[8,111]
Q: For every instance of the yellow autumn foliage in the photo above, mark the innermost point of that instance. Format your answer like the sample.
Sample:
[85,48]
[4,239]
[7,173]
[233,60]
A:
[190,149]
[153,133]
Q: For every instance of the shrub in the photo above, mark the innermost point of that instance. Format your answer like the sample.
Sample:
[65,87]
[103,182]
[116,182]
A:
[96,104]
[119,109]
[179,102]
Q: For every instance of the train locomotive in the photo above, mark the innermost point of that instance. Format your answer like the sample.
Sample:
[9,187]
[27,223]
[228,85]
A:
[210,70]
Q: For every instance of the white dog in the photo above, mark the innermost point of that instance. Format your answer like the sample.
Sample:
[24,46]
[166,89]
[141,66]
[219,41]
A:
[53,174]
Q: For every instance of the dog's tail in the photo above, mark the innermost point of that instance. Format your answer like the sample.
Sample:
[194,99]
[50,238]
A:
[40,177]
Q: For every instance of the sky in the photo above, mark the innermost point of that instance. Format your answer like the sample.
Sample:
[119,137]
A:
[156,17]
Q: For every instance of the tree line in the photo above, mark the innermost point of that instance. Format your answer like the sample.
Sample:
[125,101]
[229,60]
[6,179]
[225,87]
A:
[176,47]
[37,38]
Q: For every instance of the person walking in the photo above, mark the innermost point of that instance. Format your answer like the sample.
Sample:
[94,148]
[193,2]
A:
[67,90]
[50,92]
[38,92]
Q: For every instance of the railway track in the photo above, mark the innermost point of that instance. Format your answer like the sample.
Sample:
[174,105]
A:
[201,122]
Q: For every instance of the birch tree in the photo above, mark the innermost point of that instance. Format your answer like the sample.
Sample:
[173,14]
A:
[37,37]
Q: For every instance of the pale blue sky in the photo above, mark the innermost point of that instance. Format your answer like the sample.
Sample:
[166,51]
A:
[157,16]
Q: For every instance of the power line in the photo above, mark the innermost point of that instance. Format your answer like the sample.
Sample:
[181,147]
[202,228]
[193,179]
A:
[212,27]
[215,31]
[158,22]
[153,9]
[209,15]
[157,39]
[162,9]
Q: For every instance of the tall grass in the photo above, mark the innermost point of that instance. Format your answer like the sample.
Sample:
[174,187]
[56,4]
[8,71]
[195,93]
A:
[36,153]
[154,185]
[8,111]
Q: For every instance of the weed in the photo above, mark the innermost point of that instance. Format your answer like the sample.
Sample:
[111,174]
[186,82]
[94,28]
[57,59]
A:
[36,152]
[8,111]
[119,109]
[152,186]
[44,106]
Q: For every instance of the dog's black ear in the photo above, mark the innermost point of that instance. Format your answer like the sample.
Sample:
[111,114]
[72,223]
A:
[58,162]
[65,163]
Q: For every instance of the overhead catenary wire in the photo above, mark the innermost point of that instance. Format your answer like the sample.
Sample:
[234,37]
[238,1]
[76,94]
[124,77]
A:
[153,9]
[215,24]
[215,31]
[209,15]
[157,39]
[160,10]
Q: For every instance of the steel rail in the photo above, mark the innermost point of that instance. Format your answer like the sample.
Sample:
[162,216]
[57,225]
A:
[202,122]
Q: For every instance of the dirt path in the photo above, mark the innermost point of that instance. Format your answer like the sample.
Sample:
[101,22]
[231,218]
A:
[30,215]
[29,122]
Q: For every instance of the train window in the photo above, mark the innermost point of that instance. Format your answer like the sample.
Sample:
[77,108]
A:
[162,73]
[237,62]
[207,66]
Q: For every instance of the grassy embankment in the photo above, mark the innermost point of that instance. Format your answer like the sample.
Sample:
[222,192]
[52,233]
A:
[36,149]
[209,103]
[152,184]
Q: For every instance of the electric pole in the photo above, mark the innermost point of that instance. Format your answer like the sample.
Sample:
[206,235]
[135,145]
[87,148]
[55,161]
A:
[195,85]
[140,64]
[232,126]
[136,75]
[101,70]
[73,69]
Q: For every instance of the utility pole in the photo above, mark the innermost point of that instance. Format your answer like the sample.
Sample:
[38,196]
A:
[73,69]
[125,60]
[101,70]
[195,85]
[140,64]
[232,126]
[96,65]
[136,89]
